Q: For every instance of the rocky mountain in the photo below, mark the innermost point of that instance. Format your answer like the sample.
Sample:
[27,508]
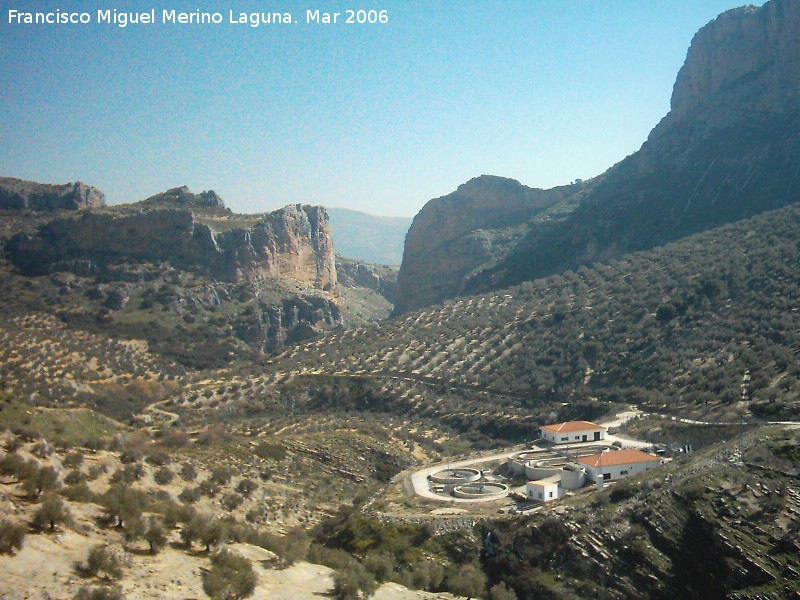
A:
[724,152]
[455,235]
[369,238]
[357,274]
[20,194]
[178,269]
[293,242]
[705,327]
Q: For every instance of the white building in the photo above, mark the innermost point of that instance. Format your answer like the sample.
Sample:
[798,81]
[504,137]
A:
[572,432]
[617,464]
[544,490]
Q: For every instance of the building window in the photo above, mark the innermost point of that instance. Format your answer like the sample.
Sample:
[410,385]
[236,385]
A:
[606,476]
[623,472]
[550,495]
[565,439]
[577,437]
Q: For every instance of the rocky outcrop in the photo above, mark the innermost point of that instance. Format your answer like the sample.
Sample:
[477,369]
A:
[747,61]
[292,321]
[292,243]
[20,194]
[357,274]
[182,197]
[726,151]
[454,235]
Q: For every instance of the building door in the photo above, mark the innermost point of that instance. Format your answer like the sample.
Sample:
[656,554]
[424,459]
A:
[584,439]
[596,436]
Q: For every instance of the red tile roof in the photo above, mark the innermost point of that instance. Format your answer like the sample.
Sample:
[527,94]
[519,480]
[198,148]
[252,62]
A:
[617,457]
[571,426]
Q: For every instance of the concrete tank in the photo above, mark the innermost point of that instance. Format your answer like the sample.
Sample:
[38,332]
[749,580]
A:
[534,471]
[480,491]
[572,476]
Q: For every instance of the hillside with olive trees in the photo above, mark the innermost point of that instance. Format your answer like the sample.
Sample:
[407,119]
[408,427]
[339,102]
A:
[707,326]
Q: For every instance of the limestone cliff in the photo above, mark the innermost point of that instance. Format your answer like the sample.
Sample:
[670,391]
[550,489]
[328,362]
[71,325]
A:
[21,194]
[291,243]
[357,274]
[456,234]
[747,61]
[726,151]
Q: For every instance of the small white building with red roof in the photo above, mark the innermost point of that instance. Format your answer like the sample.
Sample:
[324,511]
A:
[618,464]
[573,432]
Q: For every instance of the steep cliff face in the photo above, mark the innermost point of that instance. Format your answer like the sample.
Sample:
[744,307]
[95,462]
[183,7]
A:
[454,235]
[746,61]
[356,274]
[20,194]
[726,151]
[199,283]
[293,242]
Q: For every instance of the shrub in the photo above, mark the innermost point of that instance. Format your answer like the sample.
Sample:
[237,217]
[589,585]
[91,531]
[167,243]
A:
[134,529]
[345,585]
[154,535]
[11,536]
[274,452]
[380,565]
[78,492]
[204,529]
[175,439]
[52,511]
[132,472]
[232,501]
[468,580]
[350,582]
[255,515]
[290,548]
[39,479]
[13,465]
[73,459]
[42,449]
[103,592]
[95,471]
[502,592]
[121,502]
[74,476]
[190,495]
[130,456]
[209,488]
[163,476]
[221,475]
[231,577]
[213,533]
[188,472]
[333,558]
[246,487]
[158,458]
[13,444]
[102,561]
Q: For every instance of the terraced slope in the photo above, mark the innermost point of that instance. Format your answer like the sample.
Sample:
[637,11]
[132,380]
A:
[44,363]
[707,325]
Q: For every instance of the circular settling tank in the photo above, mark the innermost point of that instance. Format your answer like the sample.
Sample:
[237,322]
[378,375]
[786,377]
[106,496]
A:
[455,476]
[479,490]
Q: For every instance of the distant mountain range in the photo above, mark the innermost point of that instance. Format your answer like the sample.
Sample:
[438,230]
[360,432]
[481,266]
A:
[370,238]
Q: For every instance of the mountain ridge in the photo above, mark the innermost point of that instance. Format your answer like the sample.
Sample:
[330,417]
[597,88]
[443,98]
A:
[722,153]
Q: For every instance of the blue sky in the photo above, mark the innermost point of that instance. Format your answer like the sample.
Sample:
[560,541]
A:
[378,118]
